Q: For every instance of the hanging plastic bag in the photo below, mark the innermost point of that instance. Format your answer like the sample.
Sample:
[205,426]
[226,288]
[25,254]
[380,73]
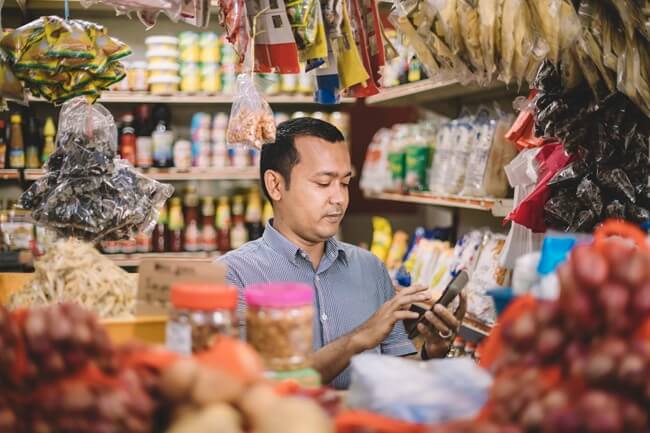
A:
[251,120]
[146,10]
[485,127]
[87,191]
[232,17]
[490,15]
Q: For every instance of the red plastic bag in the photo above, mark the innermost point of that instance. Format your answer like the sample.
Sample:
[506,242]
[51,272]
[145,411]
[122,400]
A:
[530,212]
[370,87]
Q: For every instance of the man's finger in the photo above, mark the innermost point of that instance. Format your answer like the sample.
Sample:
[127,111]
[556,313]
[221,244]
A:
[438,324]
[447,317]
[404,314]
[403,300]
[426,332]
[462,308]
[412,289]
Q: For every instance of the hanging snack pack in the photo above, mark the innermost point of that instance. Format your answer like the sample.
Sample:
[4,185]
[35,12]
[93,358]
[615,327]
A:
[87,191]
[251,119]
[146,10]
[232,17]
[59,60]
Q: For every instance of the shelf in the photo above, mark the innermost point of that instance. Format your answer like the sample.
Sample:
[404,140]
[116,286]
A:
[134,260]
[110,97]
[169,174]
[498,207]
[429,91]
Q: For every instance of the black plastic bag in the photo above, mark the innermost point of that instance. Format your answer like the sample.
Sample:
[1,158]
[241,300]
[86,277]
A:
[584,221]
[589,194]
[561,209]
[615,209]
[571,174]
[616,180]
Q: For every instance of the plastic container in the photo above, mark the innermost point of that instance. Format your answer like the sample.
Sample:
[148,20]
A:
[124,85]
[164,85]
[200,313]
[189,48]
[165,42]
[155,56]
[190,77]
[279,324]
[137,76]
[183,155]
[167,69]
[288,83]
[210,78]
[228,77]
[210,48]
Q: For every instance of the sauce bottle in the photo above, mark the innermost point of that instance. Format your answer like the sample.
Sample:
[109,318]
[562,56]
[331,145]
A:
[33,144]
[238,233]
[127,140]
[49,131]
[208,232]
[16,145]
[159,235]
[175,226]
[3,145]
[223,222]
[143,142]
[162,138]
[254,215]
[192,233]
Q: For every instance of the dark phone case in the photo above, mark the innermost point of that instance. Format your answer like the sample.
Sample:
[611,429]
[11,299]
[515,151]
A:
[462,278]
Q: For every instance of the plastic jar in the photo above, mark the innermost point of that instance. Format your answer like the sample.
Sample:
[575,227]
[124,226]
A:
[210,78]
[199,314]
[137,76]
[190,78]
[165,42]
[279,324]
[183,155]
[166,69]
[210,48]
[165,85]
[188,46]
[156,56]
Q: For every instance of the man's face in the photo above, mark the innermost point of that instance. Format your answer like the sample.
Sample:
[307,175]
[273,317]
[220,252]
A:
[318,195]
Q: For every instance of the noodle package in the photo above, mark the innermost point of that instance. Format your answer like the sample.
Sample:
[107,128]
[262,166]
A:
[87,191]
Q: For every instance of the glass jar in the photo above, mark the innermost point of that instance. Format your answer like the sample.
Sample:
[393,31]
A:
[199,314]
[279,324]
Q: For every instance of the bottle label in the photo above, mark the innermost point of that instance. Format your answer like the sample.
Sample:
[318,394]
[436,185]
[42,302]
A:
[192,238]
[144,149]
[16,158]
[178,338]
[238,236]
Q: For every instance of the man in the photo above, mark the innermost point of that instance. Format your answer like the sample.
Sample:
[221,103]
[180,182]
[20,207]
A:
[306,174]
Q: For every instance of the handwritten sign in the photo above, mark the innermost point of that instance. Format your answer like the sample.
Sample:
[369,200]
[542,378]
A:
[158,276]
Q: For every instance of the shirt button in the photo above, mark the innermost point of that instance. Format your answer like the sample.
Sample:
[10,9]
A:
[317,278]
[323,317]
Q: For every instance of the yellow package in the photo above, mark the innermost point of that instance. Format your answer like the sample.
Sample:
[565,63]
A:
[37,76]
[113,48]
[22,38]
[489,10]
[317,50]
[470,28]
[397,249]
[348,59]
[547,14]
[381,237]
[68,38]
[419,46]
[35,56]
[10,86]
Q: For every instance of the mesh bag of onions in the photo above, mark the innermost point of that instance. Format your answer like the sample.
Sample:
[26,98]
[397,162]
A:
[580,364]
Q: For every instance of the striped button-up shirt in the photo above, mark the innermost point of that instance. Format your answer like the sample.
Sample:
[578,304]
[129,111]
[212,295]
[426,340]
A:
[349,285]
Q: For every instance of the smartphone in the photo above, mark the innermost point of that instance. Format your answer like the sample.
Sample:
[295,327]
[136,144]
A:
[453,289]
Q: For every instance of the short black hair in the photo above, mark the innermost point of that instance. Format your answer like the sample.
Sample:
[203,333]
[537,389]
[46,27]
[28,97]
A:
[282,155]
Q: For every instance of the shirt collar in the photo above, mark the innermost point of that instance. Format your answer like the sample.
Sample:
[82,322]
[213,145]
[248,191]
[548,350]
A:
[277,241]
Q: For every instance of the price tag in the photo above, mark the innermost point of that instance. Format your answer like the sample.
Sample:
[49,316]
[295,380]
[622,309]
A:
[156,277]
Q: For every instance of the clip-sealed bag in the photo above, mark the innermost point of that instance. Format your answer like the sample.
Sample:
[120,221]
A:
[251,119]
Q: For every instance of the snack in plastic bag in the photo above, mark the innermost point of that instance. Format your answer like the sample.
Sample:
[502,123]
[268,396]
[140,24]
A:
[251,119]
[470,28]
[87,191]
[547,14]
[418,392]
[11,88]
[489,13]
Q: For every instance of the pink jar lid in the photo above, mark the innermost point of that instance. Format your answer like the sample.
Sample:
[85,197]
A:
[279,295]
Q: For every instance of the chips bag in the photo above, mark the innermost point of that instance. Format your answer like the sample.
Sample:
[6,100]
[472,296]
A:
[251,119]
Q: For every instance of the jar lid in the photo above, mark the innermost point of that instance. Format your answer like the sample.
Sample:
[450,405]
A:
[279,295]
[162,52]
[165,79]
[198,296]
[163,66]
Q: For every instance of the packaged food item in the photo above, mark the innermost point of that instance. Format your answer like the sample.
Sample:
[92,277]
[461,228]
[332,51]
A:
[188,47]
[167,69]
[363,43]
[210,78]
[279,324]
[200,313]
[228,79]
[164,85]
[251,119]
[382,234]
[288,83]
[11,89]
[162,42]
[210,48]
[190,78]
[137,76]
[161,55]
[147,11]
[183,155]
[305,83]
[87,191]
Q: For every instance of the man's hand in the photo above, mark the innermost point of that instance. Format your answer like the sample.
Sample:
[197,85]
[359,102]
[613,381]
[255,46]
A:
[444,323]
[380,325]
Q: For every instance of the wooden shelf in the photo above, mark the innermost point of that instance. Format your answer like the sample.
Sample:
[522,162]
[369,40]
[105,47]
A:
[498,207]
[430,91]
[167,174]
[134,260]
[110,97]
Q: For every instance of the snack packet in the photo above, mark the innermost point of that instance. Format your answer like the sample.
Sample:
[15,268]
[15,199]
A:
[251,120]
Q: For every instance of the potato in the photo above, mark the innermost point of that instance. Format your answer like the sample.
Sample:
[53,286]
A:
[179,378]
[294,415]
[216,418]
[257,400]
[215,386]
